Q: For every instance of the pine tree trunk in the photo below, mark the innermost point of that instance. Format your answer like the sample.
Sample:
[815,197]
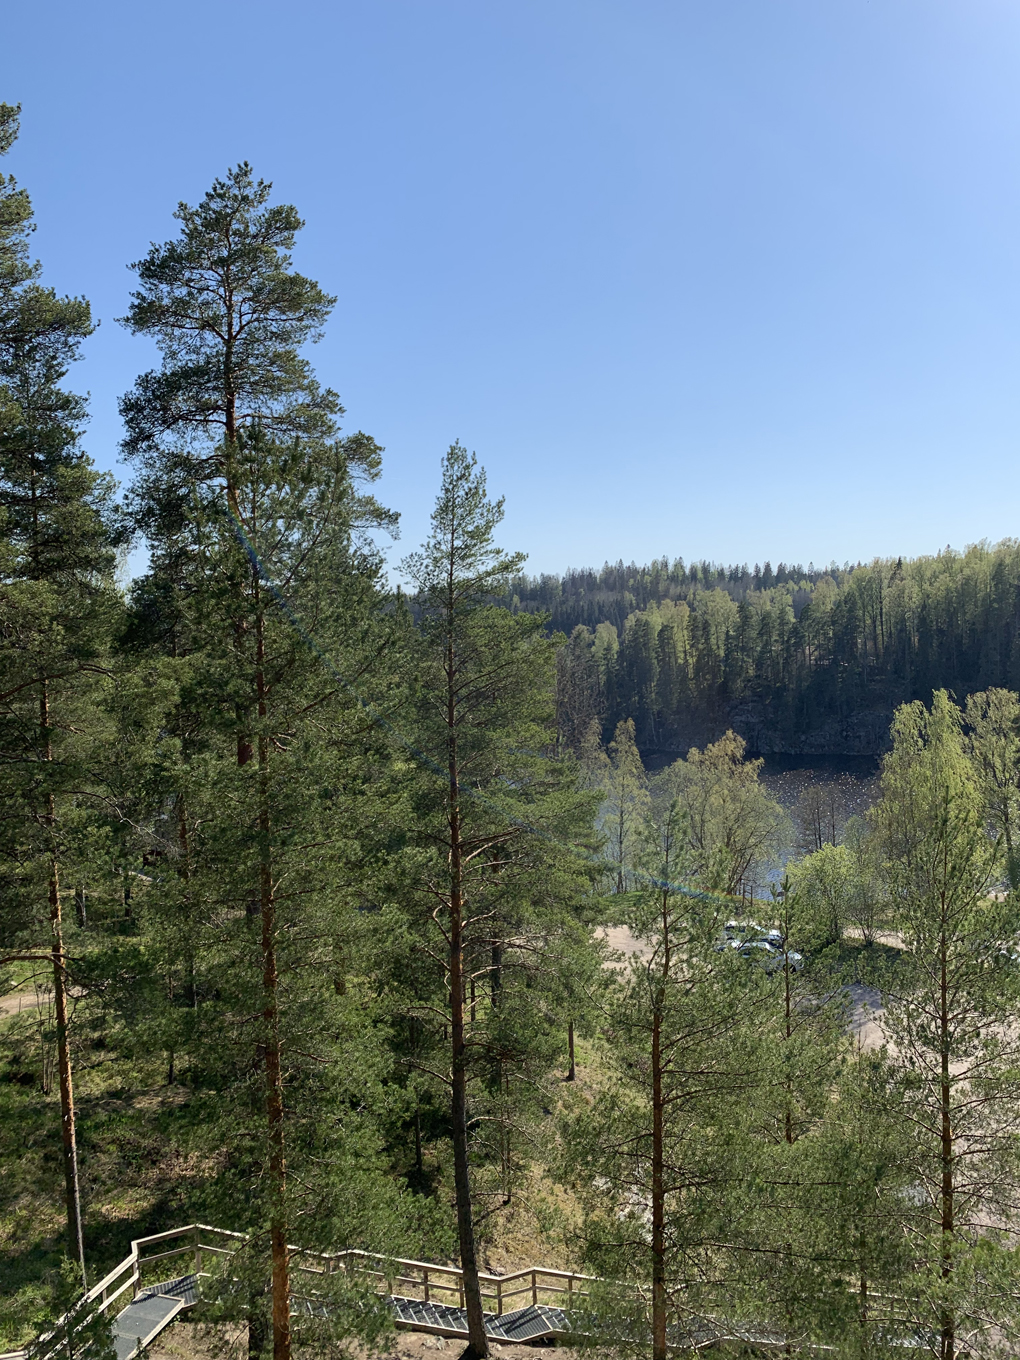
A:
[271,1018]
[419,1165]
[496,975]
[948,1339]
[184,873]
[658,1197]
[67,1123]
[478,1345]
[658,1149]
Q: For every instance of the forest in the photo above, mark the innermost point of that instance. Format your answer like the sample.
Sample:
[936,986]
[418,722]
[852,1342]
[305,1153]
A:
[343,915]
[794,660]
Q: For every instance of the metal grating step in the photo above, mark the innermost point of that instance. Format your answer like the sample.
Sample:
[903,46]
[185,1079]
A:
[533,1323]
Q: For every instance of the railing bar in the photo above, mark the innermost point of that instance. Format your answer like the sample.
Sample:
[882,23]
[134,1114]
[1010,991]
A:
[537,1280]
[106,1303]
[94,1293]
[165,1255]
[415,1265]
[165,1236]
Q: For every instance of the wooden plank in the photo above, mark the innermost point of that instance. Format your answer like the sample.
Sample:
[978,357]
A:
[128,1284]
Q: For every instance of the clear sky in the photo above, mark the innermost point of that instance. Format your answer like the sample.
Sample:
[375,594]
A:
[733,279]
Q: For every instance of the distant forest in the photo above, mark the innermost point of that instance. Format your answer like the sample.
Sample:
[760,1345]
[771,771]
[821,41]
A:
[802,661]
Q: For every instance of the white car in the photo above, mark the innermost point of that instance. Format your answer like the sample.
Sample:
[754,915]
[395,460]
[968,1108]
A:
[741,929]
[767,956]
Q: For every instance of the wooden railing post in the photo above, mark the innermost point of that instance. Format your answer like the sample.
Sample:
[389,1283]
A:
[425,1284]
[198,1250]
[534,1287]
[499,1297]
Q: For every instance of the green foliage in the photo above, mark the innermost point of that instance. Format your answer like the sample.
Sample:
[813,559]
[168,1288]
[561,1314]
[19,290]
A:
[650,1153]
[732,832]
[700,647]
[839,890]
[951,1023]
[76,1330]
[488,881]
[334,865]
[229,316]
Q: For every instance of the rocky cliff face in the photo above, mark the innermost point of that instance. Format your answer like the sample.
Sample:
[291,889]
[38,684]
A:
[860,734]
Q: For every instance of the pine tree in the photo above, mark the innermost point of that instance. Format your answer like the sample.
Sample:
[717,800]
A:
[800,1025]
[497,881]
[578,691]
[651,1155]
[57,606]
[261,542]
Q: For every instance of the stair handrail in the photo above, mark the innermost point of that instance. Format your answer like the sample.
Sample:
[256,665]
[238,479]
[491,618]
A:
[103,1294]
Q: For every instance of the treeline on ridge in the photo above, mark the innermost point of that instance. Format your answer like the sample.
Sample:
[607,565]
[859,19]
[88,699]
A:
[792,659]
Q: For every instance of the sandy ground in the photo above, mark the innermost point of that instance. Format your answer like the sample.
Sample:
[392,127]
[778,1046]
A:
[865,1016]
[186,1340]
[620,938]
[16,1002]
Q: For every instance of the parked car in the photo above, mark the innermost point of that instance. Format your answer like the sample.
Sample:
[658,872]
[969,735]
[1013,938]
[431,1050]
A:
[767,956]
[741,929]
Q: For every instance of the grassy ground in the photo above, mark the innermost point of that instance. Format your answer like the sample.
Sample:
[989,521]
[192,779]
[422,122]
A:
[147,1164]
[137,1173]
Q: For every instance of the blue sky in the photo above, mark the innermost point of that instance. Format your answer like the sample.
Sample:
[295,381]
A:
[733,279]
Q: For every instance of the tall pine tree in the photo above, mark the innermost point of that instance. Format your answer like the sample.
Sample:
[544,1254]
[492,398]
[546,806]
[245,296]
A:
[261,539]
[57,608]
[491,872]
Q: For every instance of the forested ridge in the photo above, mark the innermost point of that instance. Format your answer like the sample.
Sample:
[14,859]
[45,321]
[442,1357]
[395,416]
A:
[796,660]
[338,916]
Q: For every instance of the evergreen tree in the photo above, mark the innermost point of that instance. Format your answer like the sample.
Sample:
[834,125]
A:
[261,542]
[849,1209]
[491,864]
[57,607]
[800,1020]
[579,700]
[651,1154]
